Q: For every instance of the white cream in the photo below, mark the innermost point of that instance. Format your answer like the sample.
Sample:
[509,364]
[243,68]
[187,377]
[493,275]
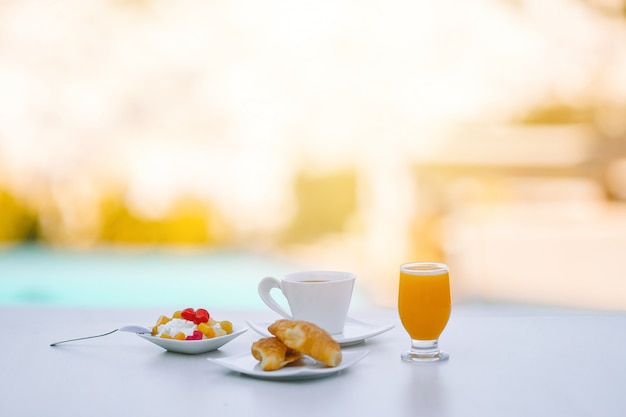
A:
[174,326]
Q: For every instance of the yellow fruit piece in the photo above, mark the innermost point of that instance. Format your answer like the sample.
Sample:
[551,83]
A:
[227,326]
[177,315]
[162,320]
[180,336]
[206,330]
[220,332]
[155,330]
[166,336]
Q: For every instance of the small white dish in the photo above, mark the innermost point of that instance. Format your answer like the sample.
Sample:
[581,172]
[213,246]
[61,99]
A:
[305,368]
[354,332]
[192,347]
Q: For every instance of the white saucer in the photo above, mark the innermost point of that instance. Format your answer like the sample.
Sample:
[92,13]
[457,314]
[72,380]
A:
[354,331]
[192,347]
[305,368]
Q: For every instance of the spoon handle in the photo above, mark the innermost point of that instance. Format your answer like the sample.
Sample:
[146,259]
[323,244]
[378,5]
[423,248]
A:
[83,338]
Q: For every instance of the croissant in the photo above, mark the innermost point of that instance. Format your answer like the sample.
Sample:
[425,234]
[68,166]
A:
[273,354]
[309,339]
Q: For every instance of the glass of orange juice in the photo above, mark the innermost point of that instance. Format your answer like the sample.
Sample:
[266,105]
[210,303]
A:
[424,305]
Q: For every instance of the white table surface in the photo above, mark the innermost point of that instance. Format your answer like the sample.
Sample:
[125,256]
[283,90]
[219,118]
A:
[504,361]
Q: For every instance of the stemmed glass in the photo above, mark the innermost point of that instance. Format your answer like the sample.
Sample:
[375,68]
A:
[424,305]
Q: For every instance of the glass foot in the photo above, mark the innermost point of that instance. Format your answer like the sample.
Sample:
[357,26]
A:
[417,357]
[424,351]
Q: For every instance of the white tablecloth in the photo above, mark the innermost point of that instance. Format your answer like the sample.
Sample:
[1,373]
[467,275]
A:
[504,361]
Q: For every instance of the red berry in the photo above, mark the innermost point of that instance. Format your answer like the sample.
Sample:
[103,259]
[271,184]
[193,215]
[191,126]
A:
[197,335]
[188,314]
[201,316]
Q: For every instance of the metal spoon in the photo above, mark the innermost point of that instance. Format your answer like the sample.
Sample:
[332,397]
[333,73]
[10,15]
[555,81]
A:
[132,329]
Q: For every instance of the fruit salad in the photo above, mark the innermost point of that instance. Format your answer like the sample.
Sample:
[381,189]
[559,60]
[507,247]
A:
[190,324]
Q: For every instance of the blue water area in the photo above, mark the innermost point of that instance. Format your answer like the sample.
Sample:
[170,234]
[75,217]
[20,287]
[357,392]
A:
[35,275]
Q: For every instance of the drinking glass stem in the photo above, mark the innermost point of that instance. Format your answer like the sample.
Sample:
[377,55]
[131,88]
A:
[424,350]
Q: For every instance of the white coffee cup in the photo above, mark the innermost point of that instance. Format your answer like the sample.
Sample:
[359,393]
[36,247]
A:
[321,297]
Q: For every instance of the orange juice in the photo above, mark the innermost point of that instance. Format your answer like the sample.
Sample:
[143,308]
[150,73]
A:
[424,301]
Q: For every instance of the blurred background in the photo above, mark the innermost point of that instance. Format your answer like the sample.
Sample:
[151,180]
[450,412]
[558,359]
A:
[158,152]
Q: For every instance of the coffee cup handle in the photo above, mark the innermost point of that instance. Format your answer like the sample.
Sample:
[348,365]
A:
[265,286]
